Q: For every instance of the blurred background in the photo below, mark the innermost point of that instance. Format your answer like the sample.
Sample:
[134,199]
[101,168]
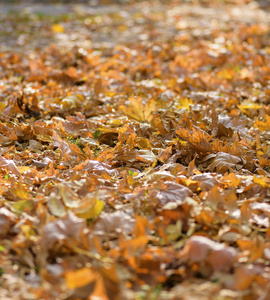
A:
[104,2]
[261,3]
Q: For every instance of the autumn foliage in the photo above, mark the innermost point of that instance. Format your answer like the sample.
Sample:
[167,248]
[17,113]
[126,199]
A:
[134,153]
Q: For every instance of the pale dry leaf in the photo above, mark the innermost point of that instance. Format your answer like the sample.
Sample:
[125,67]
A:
[173,192]
[201,249]
[59,231]
[9,165]
[113,224]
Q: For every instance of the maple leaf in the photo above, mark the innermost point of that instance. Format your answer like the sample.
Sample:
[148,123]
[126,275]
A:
[105,158]
[139,110]
[223,161]
[196,138]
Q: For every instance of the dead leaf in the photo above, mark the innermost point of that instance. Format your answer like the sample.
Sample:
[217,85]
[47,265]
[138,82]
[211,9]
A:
[61,230]
[9,165]
[199,249]
[223,161]
[79,278]
[173,192]
[139,110]
[111,225]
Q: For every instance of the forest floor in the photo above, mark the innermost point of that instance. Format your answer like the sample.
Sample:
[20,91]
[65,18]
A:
[134,158]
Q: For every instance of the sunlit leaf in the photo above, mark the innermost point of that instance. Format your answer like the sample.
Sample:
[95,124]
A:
[139,110]
[183,103]
[56,206]
[79,278]
[262,181]
[90,209]
[22,206]
[58,28]
[247,106]
[9,165]
[71,102]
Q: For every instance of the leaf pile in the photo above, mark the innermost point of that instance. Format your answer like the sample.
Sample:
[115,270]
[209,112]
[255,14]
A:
[134,153]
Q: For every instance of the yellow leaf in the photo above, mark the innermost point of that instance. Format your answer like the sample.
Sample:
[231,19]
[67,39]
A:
[57,28]
[20,192]
[263,125]
[264,181]
[22,206]
[23,169]
[138,110]
[183,103]
[26,229]
[79,278]
[143,143]
[91,212]
[226,74]
[71,102]
[248,105]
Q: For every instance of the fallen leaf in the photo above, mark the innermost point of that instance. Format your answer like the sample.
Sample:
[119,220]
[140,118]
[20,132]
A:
[79,278]
[223,161]
[201,249]
[173,192]
[9,165]
[139,110]
[111,225]
[58,28]
[61,230]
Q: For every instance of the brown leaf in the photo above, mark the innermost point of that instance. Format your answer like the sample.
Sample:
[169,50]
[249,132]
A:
[6,219]
[197,138]
[98,87]
[173,192]
[95,166]
[25,107]
[207,181]
[111,225]
[108,138]
[9,165]
[62,230]
[201,249]
[223,161]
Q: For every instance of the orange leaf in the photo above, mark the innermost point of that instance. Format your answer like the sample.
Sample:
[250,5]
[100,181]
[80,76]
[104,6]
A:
[244,276]
[79,278]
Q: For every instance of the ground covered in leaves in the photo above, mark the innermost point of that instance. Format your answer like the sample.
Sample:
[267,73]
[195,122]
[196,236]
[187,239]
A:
[134,153]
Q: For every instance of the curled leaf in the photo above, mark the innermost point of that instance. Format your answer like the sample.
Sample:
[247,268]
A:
[9,165]
[202,249]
